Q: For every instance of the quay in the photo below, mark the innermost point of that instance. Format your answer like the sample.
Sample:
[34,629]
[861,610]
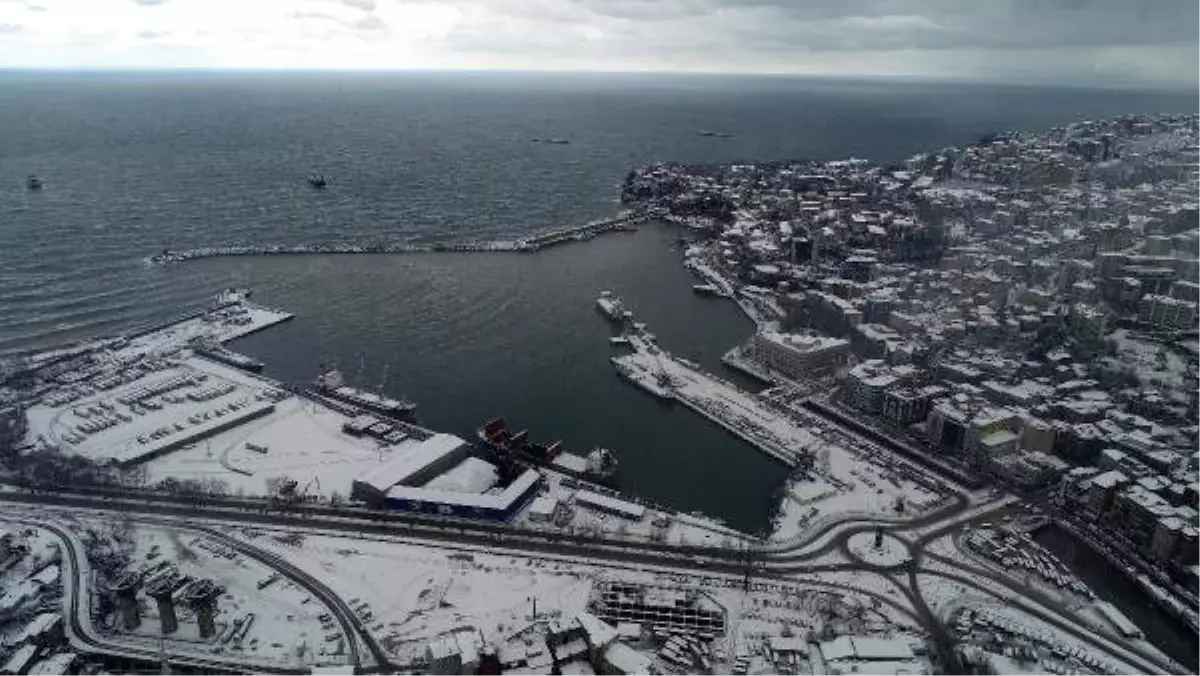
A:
[740,412]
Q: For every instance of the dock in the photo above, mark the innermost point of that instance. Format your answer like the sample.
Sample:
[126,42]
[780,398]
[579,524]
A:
[738,411]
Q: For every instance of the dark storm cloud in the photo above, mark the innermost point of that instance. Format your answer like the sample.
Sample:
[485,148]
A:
[833,25]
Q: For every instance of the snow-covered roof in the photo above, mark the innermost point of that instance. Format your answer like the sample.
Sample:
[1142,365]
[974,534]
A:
[866,648]
[19,660]
[625,660]
[410,458]
[627,509]
[55,664]
[37,626]
[472,475]
[599,633]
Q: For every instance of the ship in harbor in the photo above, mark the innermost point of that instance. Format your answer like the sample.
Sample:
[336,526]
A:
[599,466]
[213,350]
[330,384]
[612,307]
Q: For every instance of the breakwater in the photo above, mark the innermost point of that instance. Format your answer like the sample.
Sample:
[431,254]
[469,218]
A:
[622,223]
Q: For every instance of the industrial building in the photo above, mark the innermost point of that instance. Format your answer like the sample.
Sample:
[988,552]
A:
[413,463]
[491,506]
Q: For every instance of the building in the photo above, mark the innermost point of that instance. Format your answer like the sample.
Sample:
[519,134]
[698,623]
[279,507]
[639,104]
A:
[1028,470]
[904,406]
[798,356]
[613,506]
[456,653]
[412,463]
[1167,313]
[491,506]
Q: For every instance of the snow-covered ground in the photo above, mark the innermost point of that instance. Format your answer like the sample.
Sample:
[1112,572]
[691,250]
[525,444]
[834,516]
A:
[286,627]
[415,593]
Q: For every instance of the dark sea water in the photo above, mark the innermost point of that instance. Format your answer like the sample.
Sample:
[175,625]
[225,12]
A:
[134,163]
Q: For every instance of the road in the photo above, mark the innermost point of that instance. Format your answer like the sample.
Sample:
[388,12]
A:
[798,562]
[82,635]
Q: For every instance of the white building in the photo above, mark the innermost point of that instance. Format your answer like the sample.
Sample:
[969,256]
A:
[796,355]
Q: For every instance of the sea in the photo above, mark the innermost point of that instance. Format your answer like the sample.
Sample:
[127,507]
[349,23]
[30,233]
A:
[135,162]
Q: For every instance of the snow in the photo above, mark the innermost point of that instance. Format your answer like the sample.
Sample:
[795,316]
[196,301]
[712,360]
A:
[415,457]
[55,664]
[472,475]
[416,592]
[890,552]
[305,443]
[237,320]
[286,629]
[657,524]
[1144,356]
[841,481]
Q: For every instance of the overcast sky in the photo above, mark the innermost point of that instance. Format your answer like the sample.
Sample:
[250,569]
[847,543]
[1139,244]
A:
[1085,42]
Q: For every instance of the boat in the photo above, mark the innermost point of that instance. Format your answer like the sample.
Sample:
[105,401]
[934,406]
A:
[330,384]
[706,289]
[612,307]
[33,182]
[601,462]
[516,445]
[317,180]
[714,134]
[618,340]
[215,352]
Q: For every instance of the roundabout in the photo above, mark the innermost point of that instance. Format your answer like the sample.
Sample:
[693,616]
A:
[879,550]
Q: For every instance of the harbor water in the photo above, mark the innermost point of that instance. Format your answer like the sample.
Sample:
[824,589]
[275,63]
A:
[137,162]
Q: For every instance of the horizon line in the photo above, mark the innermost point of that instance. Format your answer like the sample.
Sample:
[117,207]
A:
[1191,87]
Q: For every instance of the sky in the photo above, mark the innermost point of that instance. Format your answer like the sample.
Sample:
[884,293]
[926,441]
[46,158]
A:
[1145,43]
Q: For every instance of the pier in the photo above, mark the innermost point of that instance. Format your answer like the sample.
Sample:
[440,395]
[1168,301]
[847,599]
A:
[623,223]
[738,411]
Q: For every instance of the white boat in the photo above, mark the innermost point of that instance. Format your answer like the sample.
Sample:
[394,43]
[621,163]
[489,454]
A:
[611,306]
[618,340]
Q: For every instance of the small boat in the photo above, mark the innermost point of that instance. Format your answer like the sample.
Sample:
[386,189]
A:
[714,134]
[618,340]
[317,180]
[33,182]
[706,289]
